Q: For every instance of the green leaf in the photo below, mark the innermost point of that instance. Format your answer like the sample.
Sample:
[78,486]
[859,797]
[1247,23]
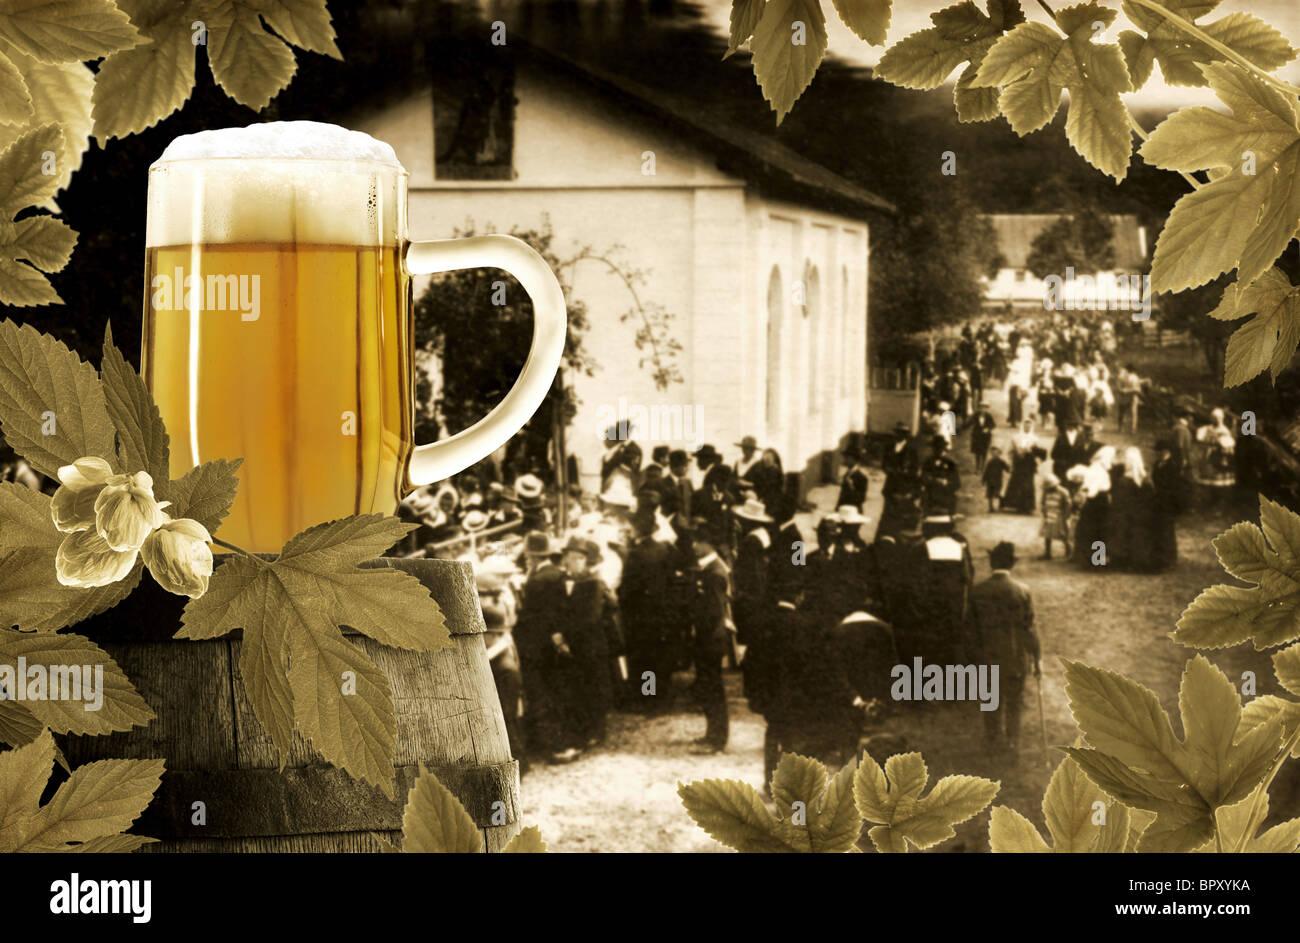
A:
[98,800]
[354,730]
[1033,64]
[23,180]
[784,67]
[60,94]
[435,821]
[31,596]
[66,30]
[137,87]
[836,825]
[745,15]
[1239,220]
[44,241]
[142,442]
[1124,719]
[1267,341]
[204,493]
[1179,53]
[291,608]
[1068,808]
[869,19]
[732,812]
[18,725]
[1268,613]
[1010,832]
[1286,665]
[961,33]
[1139,762]
[892,797]
[15,99]
[249,63]
[1268,709]
[797,779]
[23,772]
[39,376]
[528,841]
[120,706]
[305,23]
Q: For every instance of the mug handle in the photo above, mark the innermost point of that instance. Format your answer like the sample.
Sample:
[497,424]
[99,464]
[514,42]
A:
[436,461]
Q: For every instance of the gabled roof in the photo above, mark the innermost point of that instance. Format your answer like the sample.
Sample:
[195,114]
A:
[770,166]
[1016,233]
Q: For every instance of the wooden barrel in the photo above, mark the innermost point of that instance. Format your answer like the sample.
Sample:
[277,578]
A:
[448,718]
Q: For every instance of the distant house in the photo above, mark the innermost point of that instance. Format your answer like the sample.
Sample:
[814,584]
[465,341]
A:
[1016,286]
[760,254]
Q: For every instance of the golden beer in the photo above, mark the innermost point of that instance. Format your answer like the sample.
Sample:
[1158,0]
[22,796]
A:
[278,324]
[314,393]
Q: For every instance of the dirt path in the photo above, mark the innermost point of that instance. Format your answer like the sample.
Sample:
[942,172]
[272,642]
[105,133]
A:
[623,797]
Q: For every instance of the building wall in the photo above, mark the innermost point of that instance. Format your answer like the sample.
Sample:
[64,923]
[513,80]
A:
[706,244]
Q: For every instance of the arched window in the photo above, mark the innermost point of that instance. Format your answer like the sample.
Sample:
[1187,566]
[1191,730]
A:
[775,327]
[813,312]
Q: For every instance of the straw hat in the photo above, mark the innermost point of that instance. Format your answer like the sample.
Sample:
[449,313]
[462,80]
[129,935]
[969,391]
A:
[753,510]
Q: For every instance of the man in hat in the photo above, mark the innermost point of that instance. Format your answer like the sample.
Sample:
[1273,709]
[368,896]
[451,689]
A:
[766,479]
[902,466]
[981,435]
[1003,617]
[1070,448]
[587,636]
[658,462]
[711,498]
[539,659]
[853,483]
[940,479]
[1181,435]
[748,457]
[643,604]
[750,584]
[676,487]
[713,626]
[904,567]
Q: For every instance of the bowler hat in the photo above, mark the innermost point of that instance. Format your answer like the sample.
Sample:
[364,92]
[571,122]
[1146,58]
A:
[1003,555]
[707,452]
[538,543]
[588,548]
[748,442]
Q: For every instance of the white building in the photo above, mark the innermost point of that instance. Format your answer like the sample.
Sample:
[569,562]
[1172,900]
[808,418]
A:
[760,254]
[1015,285]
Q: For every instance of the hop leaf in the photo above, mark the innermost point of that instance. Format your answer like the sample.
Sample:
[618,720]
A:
[869,19]
[1033,64]
[1137,759]
[528,841]
[290,610]
[1267,341]
[1069,808]
[892,797]
[1268,613]
[435,821]
[1245,216]
[961,33]
[87,813]
[732,812]
[1179,53]
[783,66]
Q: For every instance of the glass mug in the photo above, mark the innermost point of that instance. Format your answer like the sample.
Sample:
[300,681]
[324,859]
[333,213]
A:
[278,324]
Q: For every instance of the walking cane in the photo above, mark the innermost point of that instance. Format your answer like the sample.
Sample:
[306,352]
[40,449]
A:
[1042,722]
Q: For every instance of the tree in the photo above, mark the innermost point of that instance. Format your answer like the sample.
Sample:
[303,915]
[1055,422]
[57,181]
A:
[1084,240]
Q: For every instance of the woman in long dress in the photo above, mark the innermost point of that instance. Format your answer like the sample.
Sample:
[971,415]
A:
[1217,458]
[1166,479]
[1129,546]
[1094,491]
[1019,496]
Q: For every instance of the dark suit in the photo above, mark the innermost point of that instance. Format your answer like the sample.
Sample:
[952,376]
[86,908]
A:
[981,436]
[1004,633]
[676,496]
[712,609]
[1067,454]
[853,489]
[585,616]
[538,661]
[711,499]
[643,594]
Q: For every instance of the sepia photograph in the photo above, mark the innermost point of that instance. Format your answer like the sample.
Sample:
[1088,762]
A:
[649,426]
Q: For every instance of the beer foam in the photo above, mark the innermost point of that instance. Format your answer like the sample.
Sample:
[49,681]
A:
[305,140]
[301,182]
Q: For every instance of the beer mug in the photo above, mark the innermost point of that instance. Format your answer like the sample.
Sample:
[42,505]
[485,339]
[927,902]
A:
[278,324]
